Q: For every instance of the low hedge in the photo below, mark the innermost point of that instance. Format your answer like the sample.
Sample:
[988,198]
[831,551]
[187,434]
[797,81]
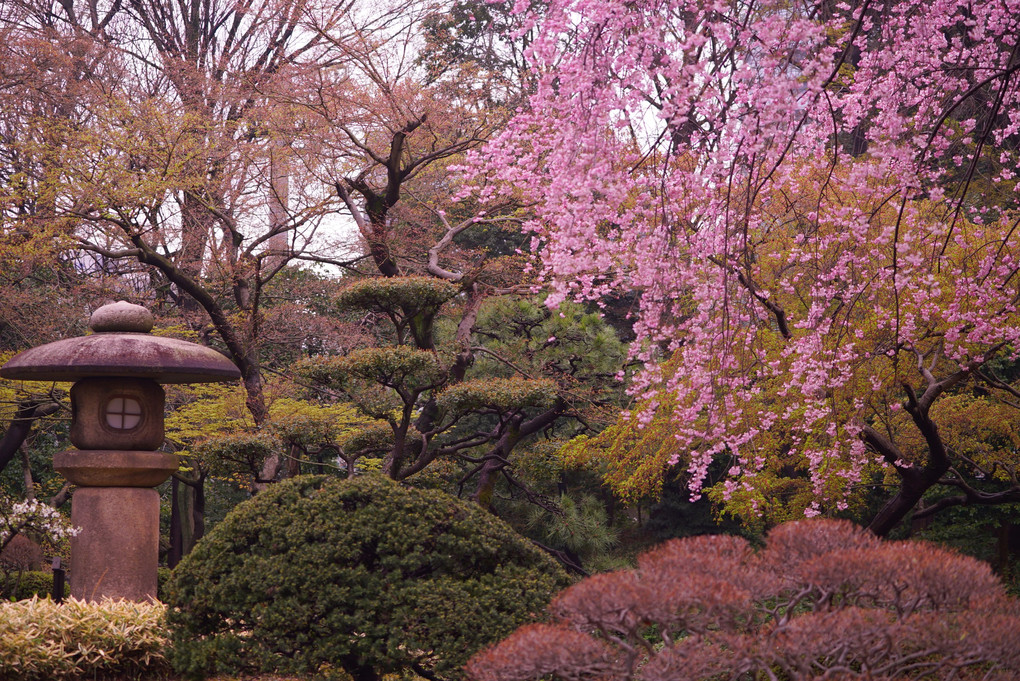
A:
[42,640]
[39,583]
[29,584]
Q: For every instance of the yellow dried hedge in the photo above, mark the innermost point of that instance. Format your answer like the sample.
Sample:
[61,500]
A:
[40,639]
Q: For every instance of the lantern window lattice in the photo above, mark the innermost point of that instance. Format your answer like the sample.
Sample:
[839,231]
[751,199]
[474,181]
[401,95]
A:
[123,413]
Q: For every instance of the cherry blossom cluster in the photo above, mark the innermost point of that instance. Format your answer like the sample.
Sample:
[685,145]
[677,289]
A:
[817,204]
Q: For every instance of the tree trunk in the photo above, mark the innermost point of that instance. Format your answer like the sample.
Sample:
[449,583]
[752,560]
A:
[176,551]
[486,486]
[21,426]
[914,480]
[500,453]
[26,470]
[187,502]
[294,462]
[195,229]
[197,511]
[278,244]
[187,517]
[913,485]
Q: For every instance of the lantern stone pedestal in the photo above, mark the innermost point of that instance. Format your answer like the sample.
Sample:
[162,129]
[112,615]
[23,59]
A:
[116,422]
[116,553]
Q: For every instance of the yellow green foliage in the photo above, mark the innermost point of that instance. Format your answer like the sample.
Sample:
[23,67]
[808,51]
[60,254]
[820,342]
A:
[42,640]
[983,429]
[541,461]
[979,430]
[203,422]
[204,410]
[632,459]
[179,330]
[12,392]
[376,435]
[227,455]
[388,294]
[503,394]
[773,499]
[309,424]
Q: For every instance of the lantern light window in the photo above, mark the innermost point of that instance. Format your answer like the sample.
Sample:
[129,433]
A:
[123,413]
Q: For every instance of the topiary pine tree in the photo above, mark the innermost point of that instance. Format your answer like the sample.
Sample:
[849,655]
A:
[514,370]
[363,575]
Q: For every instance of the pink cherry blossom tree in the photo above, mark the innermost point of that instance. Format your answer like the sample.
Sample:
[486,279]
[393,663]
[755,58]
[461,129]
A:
[817,203]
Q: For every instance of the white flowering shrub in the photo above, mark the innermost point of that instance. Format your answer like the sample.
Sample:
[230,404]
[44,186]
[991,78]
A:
[33,517]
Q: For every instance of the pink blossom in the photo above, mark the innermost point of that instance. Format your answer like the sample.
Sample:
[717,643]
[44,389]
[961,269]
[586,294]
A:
[699,153]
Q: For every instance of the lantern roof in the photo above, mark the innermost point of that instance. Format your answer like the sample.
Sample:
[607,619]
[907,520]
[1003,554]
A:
[121,346]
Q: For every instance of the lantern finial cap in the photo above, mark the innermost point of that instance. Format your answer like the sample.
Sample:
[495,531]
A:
[122,317]
[122,347]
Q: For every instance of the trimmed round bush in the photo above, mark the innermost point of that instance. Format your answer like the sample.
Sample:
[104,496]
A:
[363,576]
[823,600]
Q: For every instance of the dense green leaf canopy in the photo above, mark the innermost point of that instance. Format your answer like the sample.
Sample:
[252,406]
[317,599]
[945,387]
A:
[503,394]
[364,575]
[396,367]
[388,294]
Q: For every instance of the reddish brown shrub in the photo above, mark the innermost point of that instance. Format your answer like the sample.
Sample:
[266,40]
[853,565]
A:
[551,650]
[690,658]
[824,600]
[904,576]
[792,544]
[21,554]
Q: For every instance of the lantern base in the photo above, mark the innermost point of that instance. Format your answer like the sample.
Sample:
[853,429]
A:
[116,552]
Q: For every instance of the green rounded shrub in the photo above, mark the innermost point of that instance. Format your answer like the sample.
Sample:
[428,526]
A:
[32,583]
[387,294]
[364,576]
[162,578]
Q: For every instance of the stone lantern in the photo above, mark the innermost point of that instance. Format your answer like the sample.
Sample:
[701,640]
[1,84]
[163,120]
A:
[116,423]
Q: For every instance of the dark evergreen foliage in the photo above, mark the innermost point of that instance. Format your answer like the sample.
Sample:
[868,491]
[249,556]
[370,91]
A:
[364,575]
